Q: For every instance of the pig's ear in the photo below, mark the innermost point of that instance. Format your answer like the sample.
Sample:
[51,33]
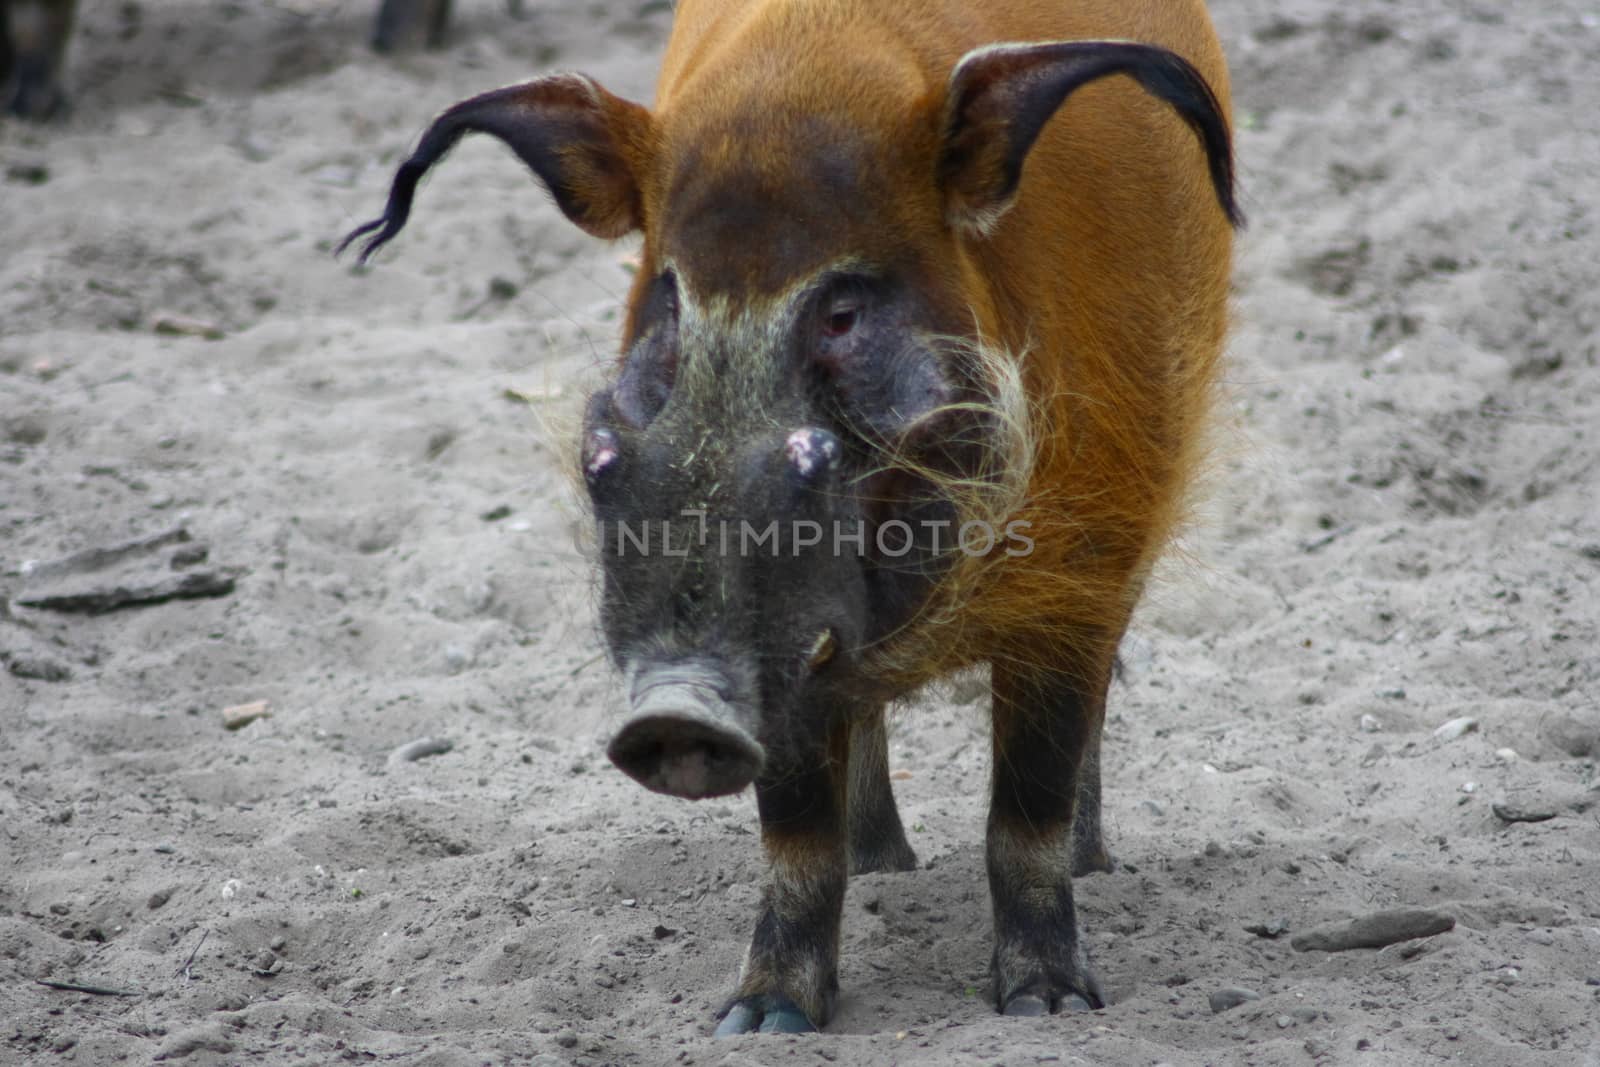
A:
[1001,96]
[586,145]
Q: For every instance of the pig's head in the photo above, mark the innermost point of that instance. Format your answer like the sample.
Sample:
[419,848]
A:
[740,487]
[807,396]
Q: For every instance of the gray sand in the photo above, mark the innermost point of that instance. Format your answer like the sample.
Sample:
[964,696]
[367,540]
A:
[1402,529]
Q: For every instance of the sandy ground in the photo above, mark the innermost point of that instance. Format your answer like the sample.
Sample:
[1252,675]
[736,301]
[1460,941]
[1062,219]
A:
[1404,531]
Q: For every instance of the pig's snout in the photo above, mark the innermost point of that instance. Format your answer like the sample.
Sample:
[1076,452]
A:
[684,739]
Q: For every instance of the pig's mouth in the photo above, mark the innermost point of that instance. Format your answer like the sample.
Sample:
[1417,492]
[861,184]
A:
[683,738]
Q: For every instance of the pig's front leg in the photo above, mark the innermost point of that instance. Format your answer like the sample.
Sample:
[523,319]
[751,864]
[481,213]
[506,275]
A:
[1045,723]
[33,45]
[790,978]
[877,838]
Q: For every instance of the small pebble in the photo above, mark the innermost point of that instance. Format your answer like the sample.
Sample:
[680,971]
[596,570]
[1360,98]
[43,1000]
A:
[230,1002]
[421,748]
[1272,929]
[239,716]
[254,148]
[1370,724]
[1228,999]
[567,1039]
[1506,755]
[28,173]
[170,325]
[1284,1022]
[1456,728]
[1541,937]
[1508,976]
[1511,813]
[39,668]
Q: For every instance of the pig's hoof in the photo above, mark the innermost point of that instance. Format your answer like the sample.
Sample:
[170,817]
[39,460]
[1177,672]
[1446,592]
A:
[1032,1001]
[1029,1004]
[772,1013]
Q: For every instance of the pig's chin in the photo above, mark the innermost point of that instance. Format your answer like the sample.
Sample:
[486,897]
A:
[683,739]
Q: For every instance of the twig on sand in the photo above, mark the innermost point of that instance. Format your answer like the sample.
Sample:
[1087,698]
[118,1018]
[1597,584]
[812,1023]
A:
[79,987]
[184,970]
[95,559]
[99,600]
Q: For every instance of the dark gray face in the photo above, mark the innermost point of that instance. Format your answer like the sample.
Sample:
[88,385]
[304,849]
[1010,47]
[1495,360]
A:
[739,478]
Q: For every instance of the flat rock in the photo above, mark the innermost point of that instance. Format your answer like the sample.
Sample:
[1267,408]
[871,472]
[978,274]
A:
[1517,813]
[1375,930]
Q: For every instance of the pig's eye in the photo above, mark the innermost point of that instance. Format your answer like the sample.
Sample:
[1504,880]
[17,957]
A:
[842,307]
[840,318]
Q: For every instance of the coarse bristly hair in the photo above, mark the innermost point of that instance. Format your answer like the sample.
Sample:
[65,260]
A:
[1102,483]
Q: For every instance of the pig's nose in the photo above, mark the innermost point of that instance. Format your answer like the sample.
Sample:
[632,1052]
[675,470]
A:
[683,738]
